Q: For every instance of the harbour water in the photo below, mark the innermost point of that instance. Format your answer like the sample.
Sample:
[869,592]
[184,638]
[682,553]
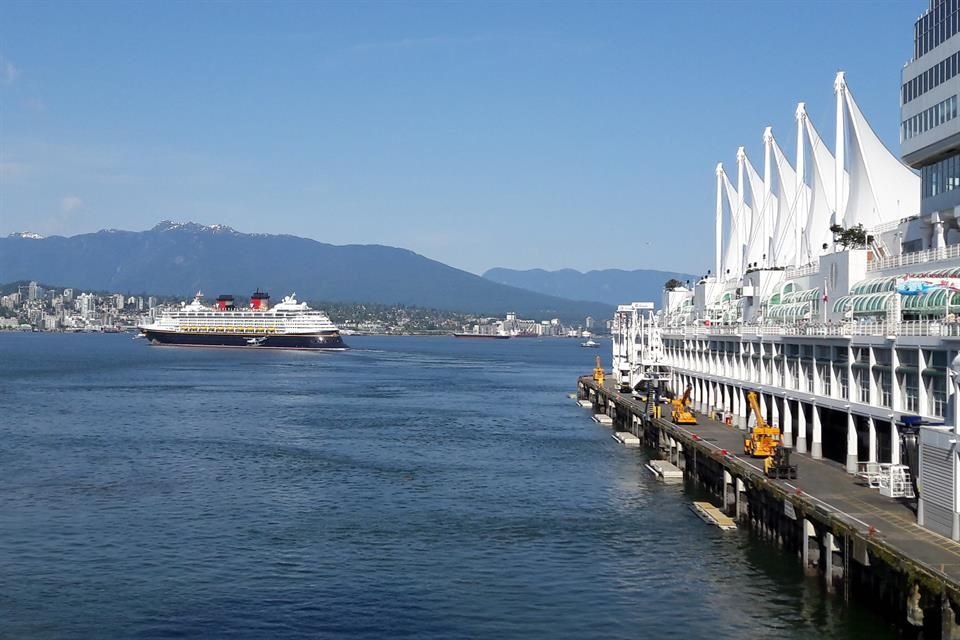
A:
[411,487]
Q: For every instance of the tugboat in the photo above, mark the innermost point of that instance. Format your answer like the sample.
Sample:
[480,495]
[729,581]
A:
[287,325]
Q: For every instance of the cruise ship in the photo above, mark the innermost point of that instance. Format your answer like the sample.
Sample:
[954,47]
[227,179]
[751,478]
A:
[287,325]
[835,291]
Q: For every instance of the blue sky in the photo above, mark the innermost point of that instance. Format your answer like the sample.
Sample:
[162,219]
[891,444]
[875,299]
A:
[516,134]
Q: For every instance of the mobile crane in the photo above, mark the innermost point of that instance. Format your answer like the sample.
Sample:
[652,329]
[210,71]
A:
[764,438]
[598,372]
[680,413]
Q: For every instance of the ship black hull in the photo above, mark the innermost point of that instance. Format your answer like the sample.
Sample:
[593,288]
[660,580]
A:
[311,342]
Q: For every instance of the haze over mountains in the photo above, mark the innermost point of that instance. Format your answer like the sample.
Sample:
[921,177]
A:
[181,258]
[610,286]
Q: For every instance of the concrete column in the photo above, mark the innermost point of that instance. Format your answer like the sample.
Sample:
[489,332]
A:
[922,401]
[816,446]
[814,384]
[894,442]
[727,482]
[872,435]
[740,499]
[827,552]
[774,411]
[852,455]
[805,527]
[801,428]
[787,426]
[723,397]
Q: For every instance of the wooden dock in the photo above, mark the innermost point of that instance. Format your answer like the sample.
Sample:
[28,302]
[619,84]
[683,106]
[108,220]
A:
[665,471]
[838,527]
[712,515]
[626,438]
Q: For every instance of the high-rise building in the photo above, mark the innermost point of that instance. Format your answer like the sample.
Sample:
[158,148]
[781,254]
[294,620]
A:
[930,126]
[32,292]
[87,305]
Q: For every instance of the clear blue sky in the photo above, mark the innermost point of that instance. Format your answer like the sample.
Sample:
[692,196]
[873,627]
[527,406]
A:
[514,134]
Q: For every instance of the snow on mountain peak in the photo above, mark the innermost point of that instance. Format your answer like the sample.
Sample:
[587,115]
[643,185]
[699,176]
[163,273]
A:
[169,225]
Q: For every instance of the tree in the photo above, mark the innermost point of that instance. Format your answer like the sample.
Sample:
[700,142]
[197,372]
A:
[852,238]
[672,284]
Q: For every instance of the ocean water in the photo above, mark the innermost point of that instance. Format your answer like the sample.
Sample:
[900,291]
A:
[411,487]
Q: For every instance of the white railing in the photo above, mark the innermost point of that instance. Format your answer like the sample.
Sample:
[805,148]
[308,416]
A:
[913,328]
[798,272]
[917,257]
[893,225]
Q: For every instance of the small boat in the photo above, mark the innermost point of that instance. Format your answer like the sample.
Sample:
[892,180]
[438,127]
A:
[256,342]
[590,343]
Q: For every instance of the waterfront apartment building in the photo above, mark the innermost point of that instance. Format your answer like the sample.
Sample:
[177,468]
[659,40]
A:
[850,339]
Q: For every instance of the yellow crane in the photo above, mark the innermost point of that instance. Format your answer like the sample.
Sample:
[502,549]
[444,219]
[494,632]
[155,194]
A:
[681,414]
[598,372]
[764,438]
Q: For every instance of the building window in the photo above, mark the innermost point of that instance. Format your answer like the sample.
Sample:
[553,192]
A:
[941,176]
[911,393]
[886,399]
[938,399]
[863,385]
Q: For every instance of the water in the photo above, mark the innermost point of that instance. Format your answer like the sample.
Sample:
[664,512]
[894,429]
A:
[412,487]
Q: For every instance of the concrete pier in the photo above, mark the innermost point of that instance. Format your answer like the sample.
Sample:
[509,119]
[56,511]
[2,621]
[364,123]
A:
[856,540]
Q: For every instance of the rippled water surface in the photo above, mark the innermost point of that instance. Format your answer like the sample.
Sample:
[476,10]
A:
[411,487]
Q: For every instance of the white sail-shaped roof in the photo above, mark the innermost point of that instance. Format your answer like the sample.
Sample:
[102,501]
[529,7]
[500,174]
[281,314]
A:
[881,188]
[733,252]
[758,240]
[784,240]
[822,194]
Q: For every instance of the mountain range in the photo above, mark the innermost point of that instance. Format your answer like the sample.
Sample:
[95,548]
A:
[178,259]
[609,286]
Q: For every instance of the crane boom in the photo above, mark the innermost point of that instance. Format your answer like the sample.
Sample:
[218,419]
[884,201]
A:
[764,438]
[755,407]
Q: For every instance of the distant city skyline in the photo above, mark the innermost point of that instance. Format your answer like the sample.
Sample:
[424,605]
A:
[517,135]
